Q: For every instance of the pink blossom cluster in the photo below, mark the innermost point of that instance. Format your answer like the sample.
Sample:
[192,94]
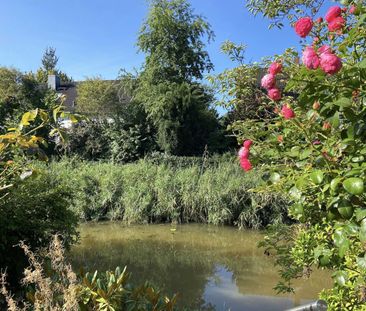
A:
[323,58]
[243,154]
[335,19]
[269,81]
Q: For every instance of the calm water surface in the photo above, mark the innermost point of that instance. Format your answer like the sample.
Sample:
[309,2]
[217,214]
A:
[212,268]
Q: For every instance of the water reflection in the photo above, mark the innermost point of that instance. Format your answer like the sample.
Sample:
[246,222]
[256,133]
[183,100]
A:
[212,268]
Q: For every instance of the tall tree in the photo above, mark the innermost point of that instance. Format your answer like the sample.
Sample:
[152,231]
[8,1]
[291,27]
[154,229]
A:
[49,66]
[50,60]
[173,40]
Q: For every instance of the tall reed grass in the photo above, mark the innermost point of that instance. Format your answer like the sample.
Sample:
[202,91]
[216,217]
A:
[145,192]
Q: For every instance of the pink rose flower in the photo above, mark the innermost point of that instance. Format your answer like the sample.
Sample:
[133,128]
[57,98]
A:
[336,24]
[243,153]
[333,12]
[324,49]
[303,26]
[330,63]
[287,112]
[275,68]
[268,81]
[245,164]
[353,9]
[310,58]
[274,94]
[247,143]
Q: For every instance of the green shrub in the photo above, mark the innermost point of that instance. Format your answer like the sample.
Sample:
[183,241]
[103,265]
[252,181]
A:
[144,192]
[33,211]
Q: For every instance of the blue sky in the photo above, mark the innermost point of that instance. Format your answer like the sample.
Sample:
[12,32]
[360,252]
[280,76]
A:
[97,37]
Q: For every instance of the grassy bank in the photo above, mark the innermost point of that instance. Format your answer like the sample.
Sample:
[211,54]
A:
[150,192]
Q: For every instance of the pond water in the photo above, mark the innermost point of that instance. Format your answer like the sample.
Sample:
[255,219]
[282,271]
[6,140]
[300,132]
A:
[212,268]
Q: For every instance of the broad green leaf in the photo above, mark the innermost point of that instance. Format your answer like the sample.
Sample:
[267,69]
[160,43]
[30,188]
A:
[343,102]
[317,177]
[360,214]
[354,185]
[345,208]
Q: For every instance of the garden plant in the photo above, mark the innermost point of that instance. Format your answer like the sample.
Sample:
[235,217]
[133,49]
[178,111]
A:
[314,148]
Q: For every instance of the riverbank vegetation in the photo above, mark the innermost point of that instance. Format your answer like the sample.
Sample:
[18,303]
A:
[128,158]
[214,192]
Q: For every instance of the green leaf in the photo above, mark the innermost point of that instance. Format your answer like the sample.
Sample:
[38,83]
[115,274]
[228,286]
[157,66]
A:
[340,277]
[362,232]
[302,182]
[354,185]
[343,102]
[334,184]
[345,208]
[361,263]
[362,64]
[334,121]
[317,177]
[305,154]
[296,211]
[341,241]
[360,214]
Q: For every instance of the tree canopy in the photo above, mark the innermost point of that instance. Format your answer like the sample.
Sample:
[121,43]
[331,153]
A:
[173,39]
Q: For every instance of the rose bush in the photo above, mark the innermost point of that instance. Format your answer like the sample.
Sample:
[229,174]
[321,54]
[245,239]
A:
[315,152]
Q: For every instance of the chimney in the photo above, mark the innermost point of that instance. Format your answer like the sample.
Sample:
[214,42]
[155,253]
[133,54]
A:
[53,82]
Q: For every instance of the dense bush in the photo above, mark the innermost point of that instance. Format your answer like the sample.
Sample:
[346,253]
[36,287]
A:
[144,193]
[31,208]
[88,140]
[33,211]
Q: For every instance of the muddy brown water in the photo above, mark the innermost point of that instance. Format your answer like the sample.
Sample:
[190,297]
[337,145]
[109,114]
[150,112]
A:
[212,268]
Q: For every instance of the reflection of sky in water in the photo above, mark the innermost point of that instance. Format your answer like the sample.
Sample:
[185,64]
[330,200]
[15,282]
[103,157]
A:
[222,293]
[207,266]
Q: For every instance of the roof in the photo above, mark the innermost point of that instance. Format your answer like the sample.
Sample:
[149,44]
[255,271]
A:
[70,92]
